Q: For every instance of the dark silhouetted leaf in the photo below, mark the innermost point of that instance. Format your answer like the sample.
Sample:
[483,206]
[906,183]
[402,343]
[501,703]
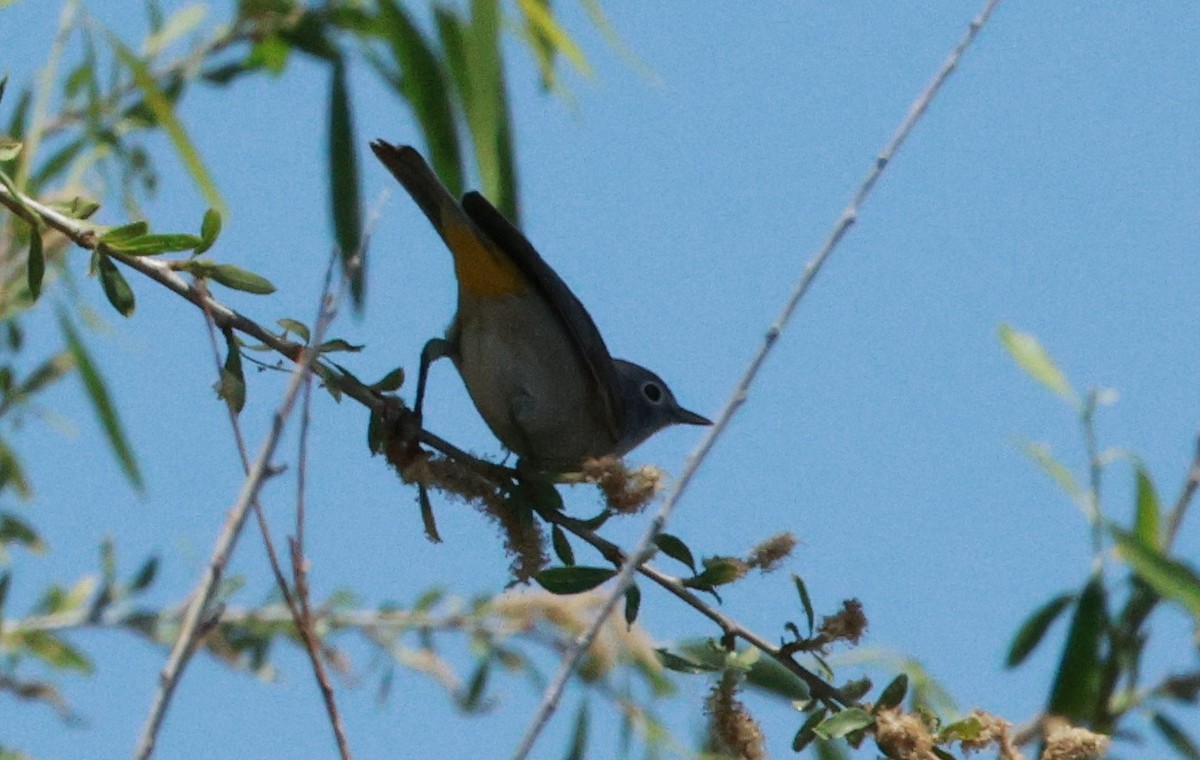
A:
[633,603]
[37,263]
[1034,628]
[805,601]
[343,181]
[116,288]
[893,693]
[1077,682]
[390,382]
[679,664]
[573,580]
[805,735]
[579,736]
[675,549]
[562,547]
[1176,737]
[232,385]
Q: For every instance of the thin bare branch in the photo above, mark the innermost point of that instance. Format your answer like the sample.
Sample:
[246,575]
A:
[645,547]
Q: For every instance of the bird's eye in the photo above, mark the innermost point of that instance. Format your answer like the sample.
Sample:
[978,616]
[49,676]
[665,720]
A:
[653,392]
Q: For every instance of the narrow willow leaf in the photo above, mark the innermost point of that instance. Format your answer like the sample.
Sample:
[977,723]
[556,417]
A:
[210,230]
[839,724]
[1077,682]
[893,693]
[101,402]
[806,602]
[1171,578]
[296,327]
[164,113]
[473,697]
[486,107]
[116,288]
[1176,737]
[37,262]
[1148,511]
[805,735]
[47,372]
[633,603]
[423,84]
[389,382]
[149,245]
[427,519]
[1032,357]
[232,385]
[9,148]
[337,344]
[343,181]
[675,549]
[53,651]
[573,580]
[579,736]
[14,530]
[125,232]
[145,575]
[239,279]
[672,661]
[562,547]
[1030,634]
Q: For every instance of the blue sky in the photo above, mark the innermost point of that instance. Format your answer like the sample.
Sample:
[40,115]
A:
[1052,186]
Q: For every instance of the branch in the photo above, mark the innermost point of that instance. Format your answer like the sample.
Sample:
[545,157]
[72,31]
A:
[645,547]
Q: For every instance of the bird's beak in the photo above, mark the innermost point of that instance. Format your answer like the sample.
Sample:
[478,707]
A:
[684,417]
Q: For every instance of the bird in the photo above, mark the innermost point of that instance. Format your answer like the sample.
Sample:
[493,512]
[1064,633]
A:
[529,354]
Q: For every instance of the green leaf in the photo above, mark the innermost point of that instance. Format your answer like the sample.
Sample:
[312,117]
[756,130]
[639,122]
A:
[232,385]
[145,575]
[37,262]
[675,549]
[210,230]
[805,601]
[839,724]
[125,232]
[98,395]
[116,288]
[968,728]
[390,382]
[5,581]
[679,664]
[486,107]
[343,183]
[1077,683]
[633,602]
[423,84]
[47,372]
[427,519]
[160,105]
[805,735]
[293,326]
[893,693]
[337,344]
[562,547]
[237,278]
[1176,737]
[149,245]
[54,651]
[13,530]
[718,571]
[1146,523]
[10,148]
[1171,578]
[1031,357]
[573,580]
[1030,634]
[471,700]
[579,736]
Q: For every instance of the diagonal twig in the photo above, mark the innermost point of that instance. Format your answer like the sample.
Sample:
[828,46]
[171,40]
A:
[645,547]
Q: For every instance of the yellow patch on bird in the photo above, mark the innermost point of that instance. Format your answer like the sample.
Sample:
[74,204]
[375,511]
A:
[482,269]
